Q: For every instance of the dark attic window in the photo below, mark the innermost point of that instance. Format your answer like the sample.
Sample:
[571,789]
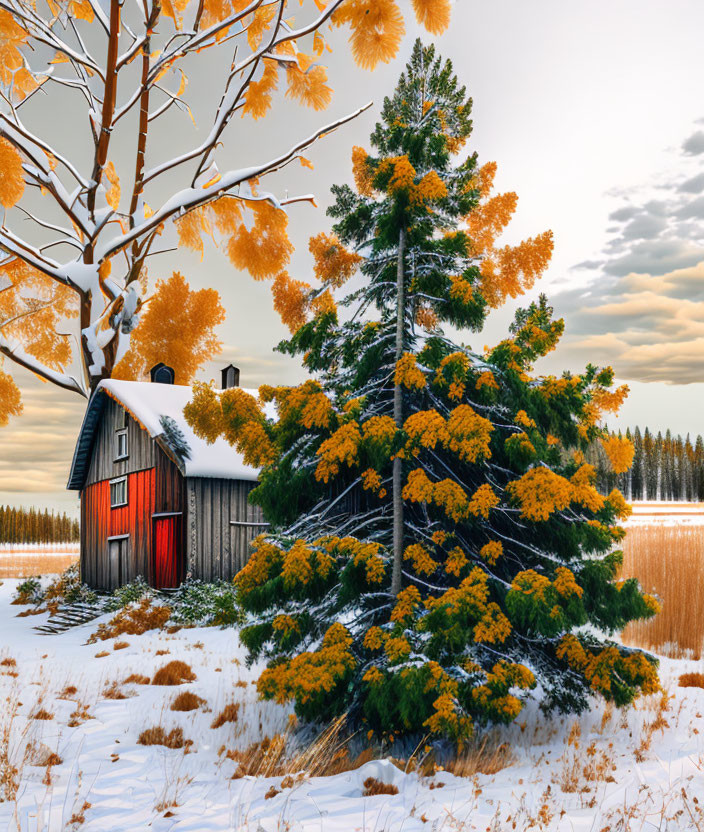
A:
[118,492]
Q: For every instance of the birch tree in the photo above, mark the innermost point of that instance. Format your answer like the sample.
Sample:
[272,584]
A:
[76,232]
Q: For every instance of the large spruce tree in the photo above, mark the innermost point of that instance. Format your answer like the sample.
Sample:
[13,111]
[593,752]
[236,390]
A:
[437,547]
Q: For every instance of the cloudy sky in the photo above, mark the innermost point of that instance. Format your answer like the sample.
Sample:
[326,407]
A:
[595,116]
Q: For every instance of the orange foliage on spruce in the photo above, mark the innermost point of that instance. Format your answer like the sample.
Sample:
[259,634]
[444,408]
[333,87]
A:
[179,323]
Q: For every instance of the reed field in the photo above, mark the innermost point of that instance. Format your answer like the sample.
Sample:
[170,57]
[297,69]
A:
[664,549]
[27,560]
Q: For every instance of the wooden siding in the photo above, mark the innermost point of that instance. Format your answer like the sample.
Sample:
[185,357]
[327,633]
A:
[154,489]
[99,522]
[215,546]
[141,449]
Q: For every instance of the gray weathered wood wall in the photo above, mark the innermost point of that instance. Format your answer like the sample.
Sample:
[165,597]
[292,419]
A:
[141,448]
[217,547]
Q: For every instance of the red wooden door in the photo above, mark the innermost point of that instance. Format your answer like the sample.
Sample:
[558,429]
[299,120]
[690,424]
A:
[166,552]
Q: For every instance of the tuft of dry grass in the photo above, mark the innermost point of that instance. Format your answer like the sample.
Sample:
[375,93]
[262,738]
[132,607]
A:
[79,817]
[229,713]
[8,661]
[113,691]
[663,558]
[162,652]
[133,621]
[136,679]
[327,755]
[120,645]
[691,680]
[484,756]
[187,701]
[68,692]
[174,673]
[373,786]
[41,713]
[102,654]
[79,715]
[157,736]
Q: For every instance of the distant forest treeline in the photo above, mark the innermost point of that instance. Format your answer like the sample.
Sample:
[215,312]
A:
[20,525]
[664,468]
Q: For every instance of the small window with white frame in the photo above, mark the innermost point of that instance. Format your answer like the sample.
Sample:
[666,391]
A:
[118,492]
[121,450]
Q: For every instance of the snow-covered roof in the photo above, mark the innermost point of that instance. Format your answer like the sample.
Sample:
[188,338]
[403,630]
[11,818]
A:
[159,410]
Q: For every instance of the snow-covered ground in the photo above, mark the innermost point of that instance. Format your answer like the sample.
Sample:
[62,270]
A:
[642,769]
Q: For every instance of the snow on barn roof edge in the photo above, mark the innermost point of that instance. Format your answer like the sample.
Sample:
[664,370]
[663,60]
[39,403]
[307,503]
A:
[158,408]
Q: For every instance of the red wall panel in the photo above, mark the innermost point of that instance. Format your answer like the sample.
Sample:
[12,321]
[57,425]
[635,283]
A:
[101,522]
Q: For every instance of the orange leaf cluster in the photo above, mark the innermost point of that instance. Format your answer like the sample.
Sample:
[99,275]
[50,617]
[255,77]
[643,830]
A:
[334,264]
[259,94]
[11,175]
[408,374]
[340,448]
[361,171]
[12,69]
[32,306]
[10,399]
[620,452]
[433,14]
[601,667]
[377,29]
[540,492]
[263,250]
[178,326]
[312,673]
[307,83]
[291,300]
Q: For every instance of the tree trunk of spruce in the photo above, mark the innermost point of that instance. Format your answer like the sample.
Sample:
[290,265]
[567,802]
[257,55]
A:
[398,419]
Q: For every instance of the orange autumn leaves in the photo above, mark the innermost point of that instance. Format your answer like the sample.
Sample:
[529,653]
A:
[506,271]
[179,323]
[11,175]
[31,307]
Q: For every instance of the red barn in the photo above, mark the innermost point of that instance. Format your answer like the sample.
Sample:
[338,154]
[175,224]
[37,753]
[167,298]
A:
[156,500]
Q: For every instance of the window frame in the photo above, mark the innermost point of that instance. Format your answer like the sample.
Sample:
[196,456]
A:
[115,481]
[118,435]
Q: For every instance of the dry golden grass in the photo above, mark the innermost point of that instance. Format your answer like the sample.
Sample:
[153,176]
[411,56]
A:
[483,756]
[174,673]
[157,736]
[68,692]
[30,561]
[373,786]
[187,701]
[691,680]
[668,560]
[8,661]
[102,654]
[41,713]
[120,645]
[136,679]
[79,817]
[327,755]
[114,691]
[229,713]
[133,621]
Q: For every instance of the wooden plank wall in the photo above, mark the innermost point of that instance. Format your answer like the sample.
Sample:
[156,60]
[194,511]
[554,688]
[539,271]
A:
[154,485]
[140,446]
[99,522]
[215,547]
